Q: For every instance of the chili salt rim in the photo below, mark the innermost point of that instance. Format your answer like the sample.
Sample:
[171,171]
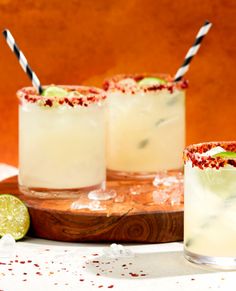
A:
[113,83]
[193,153]
[91,95]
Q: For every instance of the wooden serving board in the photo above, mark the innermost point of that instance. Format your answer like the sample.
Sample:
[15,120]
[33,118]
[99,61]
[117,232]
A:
[134,216]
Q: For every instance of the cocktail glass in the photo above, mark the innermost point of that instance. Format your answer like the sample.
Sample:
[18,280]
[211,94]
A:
[210,204]
[146,125]
[61,142]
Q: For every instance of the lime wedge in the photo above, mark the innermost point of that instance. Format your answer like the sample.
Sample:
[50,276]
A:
[149,81]
[14,216]
[54,91]
[226,155]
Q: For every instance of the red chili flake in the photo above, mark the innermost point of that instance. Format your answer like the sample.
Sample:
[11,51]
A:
[39,273]
[9,269]
[1,263]
[22,262]
[143,275]
[29,261]
[24,273]
[95,262]
[95,254]
[16,261]
[134,274]
[111,286]
[81,280]
[98,274]
[100,286]
[48,102]
[36,265]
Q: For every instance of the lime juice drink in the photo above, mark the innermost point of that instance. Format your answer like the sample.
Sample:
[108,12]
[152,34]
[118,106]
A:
[61,140]
[210,204]
[146,125]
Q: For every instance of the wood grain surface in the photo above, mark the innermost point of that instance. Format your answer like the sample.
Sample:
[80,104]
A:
[129,218]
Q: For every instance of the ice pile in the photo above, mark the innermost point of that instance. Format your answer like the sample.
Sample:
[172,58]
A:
[116,251]
[169,189]
[7,246]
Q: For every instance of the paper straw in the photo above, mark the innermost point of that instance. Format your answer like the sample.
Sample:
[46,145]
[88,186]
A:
[22,60]
[192,51]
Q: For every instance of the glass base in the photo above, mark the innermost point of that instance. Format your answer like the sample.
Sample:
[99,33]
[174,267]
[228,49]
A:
[221,263]
[122,175]
[45,193]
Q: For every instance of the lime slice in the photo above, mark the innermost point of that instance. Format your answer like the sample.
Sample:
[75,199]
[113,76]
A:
[226,155]
[54,91]
[14,216]
[149,81]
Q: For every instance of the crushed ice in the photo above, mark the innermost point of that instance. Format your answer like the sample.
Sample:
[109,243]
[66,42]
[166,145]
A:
[116,251]
[93,205]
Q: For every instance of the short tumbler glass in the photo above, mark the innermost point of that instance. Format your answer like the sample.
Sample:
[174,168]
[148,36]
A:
[210,206]
[61,142]
[146,126]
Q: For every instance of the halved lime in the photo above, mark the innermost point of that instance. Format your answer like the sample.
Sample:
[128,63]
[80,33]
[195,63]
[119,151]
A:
[226,155]
[54,91]
[149,81]
[14,216]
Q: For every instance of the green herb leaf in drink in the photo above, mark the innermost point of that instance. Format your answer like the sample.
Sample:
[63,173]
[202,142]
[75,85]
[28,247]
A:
[143,143]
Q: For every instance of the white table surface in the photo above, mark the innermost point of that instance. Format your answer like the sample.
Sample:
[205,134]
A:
[47,265]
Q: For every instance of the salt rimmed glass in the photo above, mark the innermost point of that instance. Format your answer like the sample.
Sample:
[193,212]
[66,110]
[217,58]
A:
[61,142]
[146,126]
[210,206]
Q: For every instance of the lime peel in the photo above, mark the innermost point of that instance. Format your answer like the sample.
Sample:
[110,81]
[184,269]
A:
[226,155]
[149,81]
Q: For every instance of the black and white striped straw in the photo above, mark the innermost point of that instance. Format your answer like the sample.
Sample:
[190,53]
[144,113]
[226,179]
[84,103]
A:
[22,60]
[192,51]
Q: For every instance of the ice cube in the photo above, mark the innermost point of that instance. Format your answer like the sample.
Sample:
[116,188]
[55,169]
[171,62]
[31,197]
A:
[160,196]
[93,205]
[213,151]
[116,251]
[7,246]
[102,194]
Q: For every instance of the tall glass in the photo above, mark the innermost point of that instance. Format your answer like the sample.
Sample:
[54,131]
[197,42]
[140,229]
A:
[146,126]
[210,206]
[61,142]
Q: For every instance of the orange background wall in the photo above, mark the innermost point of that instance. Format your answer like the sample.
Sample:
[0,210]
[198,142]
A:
[84,41]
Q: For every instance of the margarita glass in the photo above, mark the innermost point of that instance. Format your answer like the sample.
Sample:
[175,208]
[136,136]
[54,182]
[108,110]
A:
[210,204]
[146,125]
[61,140]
